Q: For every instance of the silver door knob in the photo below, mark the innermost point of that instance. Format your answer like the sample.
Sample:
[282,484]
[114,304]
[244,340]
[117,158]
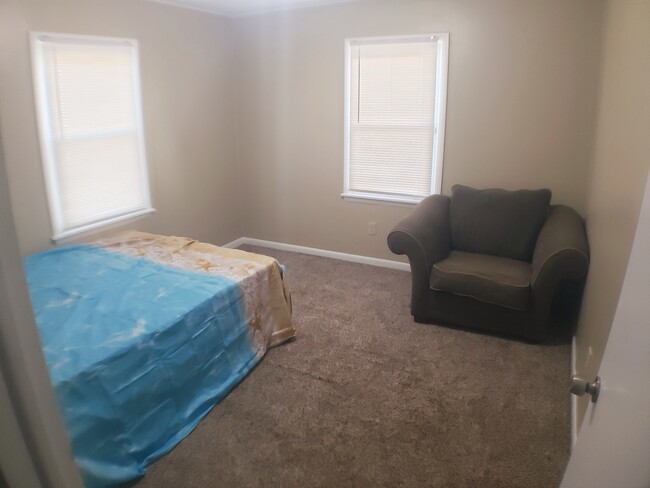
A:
[580,386]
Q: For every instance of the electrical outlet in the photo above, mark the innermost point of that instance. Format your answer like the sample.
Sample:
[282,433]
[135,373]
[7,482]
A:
[372,228]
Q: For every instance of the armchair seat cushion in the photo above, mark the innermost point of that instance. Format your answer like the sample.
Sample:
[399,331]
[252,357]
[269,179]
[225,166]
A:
[492,279]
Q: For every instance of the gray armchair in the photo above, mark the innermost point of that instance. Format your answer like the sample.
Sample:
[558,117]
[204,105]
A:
[492,259]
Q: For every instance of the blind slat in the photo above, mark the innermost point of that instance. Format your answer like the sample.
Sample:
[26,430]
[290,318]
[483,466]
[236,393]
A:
[392,114]
[91,115]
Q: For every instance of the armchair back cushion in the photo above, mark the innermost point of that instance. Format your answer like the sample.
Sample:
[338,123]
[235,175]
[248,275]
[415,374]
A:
[498,222]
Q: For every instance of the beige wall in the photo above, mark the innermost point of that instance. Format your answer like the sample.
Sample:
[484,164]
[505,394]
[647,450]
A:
[187,103]
[520,110]
[521,106]
[620,168]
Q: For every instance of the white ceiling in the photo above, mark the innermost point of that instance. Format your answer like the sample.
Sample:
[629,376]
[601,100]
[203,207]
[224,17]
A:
[246,7]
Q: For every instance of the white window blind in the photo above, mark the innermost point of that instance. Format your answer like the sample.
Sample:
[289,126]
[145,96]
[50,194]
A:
[395,110]
[90,121]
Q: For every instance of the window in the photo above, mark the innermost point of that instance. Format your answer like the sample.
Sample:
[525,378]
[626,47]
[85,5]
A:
[394,117]
[90,123]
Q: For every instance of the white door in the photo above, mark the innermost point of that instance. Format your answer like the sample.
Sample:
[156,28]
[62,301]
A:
[613,447]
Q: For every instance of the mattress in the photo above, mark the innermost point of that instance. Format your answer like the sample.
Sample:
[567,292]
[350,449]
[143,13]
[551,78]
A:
[144,334]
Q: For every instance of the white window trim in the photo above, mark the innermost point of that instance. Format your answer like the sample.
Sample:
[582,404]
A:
[442,69]
[46,139]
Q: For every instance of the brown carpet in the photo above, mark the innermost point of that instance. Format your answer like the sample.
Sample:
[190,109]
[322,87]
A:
[365,397]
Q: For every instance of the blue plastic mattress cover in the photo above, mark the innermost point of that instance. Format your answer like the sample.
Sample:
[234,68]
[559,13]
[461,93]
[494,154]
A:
[137,352]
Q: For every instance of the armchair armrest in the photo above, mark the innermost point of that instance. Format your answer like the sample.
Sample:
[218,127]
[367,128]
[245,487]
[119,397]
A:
[561,253]
[561,248]
[425,237]
[425,233]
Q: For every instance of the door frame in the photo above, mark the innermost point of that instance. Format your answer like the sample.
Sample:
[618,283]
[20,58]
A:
[23,368]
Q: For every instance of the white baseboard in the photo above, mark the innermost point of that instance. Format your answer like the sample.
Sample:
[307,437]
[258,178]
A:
[236,243]
[384,263]
[574,398]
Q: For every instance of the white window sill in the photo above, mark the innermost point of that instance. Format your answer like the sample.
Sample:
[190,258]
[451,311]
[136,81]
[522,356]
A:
[381,199]
[102,225]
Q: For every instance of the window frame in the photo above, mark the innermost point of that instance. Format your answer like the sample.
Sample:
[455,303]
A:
[47,140]
[440,112]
